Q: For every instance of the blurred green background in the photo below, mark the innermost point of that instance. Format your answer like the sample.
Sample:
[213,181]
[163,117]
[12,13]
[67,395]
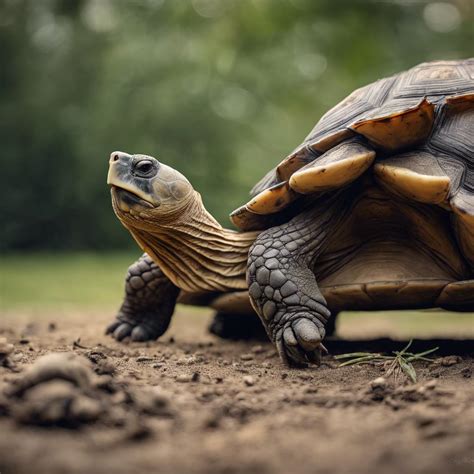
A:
[220,89]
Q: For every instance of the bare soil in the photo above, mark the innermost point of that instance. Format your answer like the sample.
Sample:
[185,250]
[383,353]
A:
[192,403]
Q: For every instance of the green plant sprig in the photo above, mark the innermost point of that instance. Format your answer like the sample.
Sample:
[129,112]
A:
[401,360]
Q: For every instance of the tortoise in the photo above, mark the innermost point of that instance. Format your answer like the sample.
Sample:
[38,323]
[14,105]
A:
[374,210]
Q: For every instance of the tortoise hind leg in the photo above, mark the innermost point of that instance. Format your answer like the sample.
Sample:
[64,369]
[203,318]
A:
[149,302]
[237,326]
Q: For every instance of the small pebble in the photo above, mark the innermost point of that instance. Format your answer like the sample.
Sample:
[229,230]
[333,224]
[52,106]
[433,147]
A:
[5,347]
[186,361]
[379,382]
[248,380]
[246,357]
[184,378]
[258,349]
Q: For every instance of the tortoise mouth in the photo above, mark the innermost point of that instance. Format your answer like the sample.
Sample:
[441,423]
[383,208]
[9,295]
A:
[127,199]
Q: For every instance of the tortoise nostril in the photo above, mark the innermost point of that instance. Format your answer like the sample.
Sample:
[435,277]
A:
[117,155]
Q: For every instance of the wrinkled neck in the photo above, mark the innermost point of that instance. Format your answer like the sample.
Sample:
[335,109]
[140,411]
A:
[195,252]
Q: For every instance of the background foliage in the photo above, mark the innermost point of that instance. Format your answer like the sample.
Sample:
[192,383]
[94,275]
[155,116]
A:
[219,89]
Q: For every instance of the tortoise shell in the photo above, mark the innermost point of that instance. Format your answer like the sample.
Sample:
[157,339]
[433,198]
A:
[414,130]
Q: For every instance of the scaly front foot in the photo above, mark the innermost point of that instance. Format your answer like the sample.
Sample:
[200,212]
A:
[284,291]
[139,327]
[149,302]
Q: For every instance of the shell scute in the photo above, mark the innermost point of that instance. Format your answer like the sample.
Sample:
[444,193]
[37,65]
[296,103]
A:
[429,108]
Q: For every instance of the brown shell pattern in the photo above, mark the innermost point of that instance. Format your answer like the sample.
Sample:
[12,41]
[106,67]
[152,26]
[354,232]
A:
[429,107]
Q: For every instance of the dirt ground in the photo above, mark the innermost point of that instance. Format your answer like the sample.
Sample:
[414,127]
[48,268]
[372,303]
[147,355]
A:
[191,403]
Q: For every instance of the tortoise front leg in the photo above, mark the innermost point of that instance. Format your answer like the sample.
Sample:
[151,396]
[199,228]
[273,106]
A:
[282,284]
[149,302]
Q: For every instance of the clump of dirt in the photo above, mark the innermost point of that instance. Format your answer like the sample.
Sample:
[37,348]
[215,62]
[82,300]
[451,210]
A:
[67,390]
[55,366]
[397,396]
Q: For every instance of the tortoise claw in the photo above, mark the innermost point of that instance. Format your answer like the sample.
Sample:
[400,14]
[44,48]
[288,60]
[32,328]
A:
[300,343]
[139,334]
[112,327]
[122,331]
[139,327]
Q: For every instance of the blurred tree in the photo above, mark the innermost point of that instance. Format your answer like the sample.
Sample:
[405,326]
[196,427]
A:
[221,90]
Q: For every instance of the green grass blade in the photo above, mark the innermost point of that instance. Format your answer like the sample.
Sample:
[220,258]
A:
[410,359]
[357,360]
[422,354]
[405,348]
[407,368]
[353,354]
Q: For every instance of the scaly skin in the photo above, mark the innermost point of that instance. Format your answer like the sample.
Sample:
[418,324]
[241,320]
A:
[150,298]
[282,284]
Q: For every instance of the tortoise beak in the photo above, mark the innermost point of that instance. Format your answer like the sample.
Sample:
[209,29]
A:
[128,199]
[120,179]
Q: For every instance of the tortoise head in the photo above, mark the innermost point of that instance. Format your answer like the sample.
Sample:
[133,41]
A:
[168,220]
[143,189]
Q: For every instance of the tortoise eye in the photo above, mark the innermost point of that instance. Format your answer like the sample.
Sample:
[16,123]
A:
[144,168]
